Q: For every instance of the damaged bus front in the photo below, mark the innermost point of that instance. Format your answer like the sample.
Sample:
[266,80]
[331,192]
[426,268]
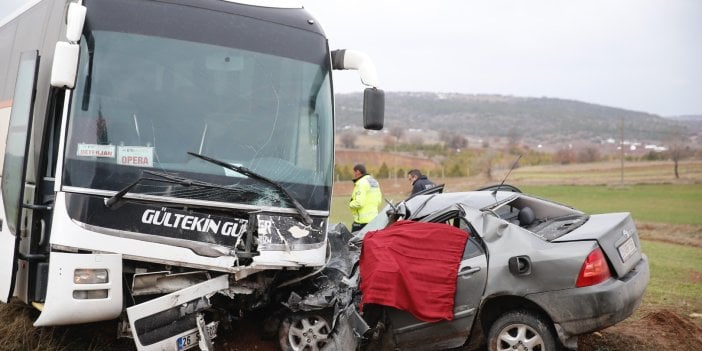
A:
[162,152]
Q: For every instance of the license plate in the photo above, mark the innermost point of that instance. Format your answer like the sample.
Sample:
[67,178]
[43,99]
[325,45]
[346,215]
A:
[189,341]
[627,249]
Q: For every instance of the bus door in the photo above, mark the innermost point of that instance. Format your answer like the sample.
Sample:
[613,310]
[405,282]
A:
[14,170]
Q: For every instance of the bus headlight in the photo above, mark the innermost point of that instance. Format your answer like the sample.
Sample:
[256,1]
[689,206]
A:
[90,276]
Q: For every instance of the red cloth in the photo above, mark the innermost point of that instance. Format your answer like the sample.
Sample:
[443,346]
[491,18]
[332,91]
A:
[413,266]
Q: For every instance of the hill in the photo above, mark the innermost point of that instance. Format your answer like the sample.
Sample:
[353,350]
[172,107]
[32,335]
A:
[549,119]
[688,118]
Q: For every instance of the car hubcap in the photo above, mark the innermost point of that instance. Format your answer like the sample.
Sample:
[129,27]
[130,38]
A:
[519,337]
[309,334]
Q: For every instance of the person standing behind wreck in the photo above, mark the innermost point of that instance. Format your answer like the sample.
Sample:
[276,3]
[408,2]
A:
[419,181]
[365,199]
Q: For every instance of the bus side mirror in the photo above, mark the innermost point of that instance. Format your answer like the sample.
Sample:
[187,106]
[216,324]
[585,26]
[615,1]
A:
[356,60]
[373,98]
[75,19]
[373,108]
[65,65]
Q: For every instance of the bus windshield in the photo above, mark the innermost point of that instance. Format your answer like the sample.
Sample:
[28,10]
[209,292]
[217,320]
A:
[143,101]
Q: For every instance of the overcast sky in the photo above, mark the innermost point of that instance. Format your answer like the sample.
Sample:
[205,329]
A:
[643,55]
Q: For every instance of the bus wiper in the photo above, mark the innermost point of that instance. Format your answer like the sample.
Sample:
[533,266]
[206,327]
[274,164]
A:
[253,175]
[163,178]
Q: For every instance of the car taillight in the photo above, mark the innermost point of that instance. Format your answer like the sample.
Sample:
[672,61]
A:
[594,270]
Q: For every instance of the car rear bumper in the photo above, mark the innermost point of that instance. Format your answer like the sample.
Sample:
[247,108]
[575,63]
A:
[583,310]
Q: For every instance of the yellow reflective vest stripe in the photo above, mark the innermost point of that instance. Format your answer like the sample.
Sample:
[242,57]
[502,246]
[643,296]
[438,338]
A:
[365,199]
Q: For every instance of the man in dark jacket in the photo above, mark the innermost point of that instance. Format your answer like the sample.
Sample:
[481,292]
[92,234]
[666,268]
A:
[419,181]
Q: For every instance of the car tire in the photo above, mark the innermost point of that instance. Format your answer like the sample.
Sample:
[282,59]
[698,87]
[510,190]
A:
[304,332]
[521,330]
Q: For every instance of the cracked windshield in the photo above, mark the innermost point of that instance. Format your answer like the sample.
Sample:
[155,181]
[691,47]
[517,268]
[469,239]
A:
[144,102]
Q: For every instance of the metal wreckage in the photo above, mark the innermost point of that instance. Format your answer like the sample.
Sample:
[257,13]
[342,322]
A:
[493,267]
[325,308]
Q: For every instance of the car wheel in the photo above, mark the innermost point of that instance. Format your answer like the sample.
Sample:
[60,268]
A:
[304,332]
[521,330]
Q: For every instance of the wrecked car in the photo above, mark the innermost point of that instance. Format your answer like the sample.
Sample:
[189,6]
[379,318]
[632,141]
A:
[528,274]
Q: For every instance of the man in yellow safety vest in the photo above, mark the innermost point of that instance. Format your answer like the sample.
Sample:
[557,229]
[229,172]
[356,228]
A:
[365,199]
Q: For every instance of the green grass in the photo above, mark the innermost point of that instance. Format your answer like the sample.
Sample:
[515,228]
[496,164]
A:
[676,276]
[340,211]
[662,203]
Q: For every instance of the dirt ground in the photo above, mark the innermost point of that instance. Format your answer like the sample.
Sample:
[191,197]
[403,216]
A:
[648,330]
[656,330]
[651,328]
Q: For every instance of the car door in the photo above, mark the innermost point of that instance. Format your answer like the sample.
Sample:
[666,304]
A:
[14,170]
[413,334]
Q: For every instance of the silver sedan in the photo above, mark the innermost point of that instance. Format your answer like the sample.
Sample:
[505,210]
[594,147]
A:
[533,275]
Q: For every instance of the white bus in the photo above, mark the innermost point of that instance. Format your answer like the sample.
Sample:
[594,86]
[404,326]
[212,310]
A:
[160,153]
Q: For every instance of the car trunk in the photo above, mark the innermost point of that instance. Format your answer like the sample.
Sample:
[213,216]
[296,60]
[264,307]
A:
[617,236]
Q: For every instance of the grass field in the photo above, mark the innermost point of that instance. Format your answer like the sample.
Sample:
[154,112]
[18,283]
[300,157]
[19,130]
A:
[676,276]
[606,173]
[661,203]
[649,190]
